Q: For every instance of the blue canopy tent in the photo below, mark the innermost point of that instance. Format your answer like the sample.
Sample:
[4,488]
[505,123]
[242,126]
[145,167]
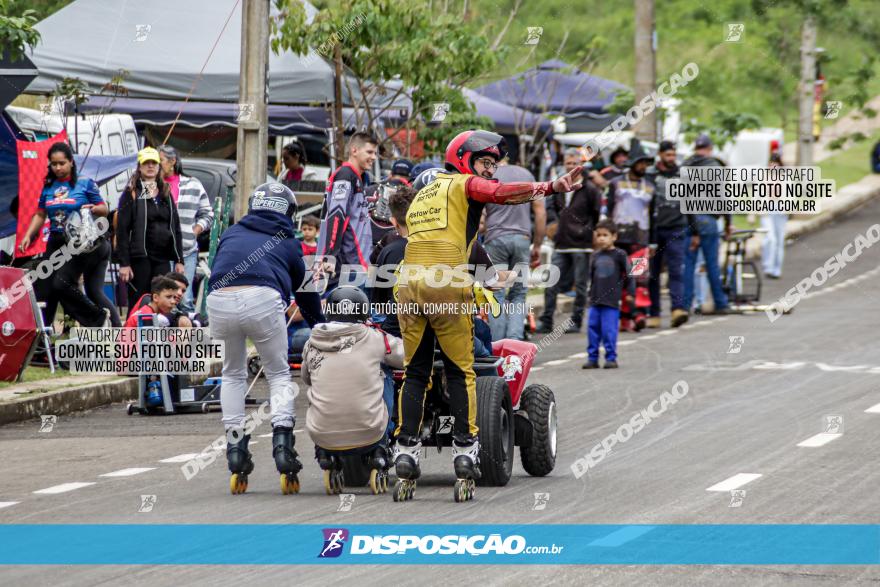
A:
[558,89]
[283,120]
[509,120]
[103,168]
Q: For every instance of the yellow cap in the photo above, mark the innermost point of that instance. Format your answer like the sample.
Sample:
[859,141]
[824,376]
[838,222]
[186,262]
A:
[148,154]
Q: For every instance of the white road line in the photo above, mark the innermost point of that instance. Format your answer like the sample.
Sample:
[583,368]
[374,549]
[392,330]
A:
[873,409]
[734,482]
[63,488]
[6,504]
[842,284]
[180,458]
[556,362]
[578,356]
[666,332]
[536,369]
[266,435]
[128,472]
[820,439]
[648,337]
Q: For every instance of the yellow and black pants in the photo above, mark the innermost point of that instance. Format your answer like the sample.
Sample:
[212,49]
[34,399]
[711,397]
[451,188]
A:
[421,325]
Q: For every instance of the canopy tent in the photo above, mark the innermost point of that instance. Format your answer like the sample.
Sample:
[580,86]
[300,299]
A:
[509,120]
[103,168]
[163,45]
[556,88]
[16,76]
[282,119]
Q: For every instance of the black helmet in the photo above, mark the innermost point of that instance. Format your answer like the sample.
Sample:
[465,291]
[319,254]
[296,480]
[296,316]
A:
[426,177]
[273,197]
[347,304]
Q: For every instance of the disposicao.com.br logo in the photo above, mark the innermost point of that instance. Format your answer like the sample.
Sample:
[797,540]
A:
[450,544]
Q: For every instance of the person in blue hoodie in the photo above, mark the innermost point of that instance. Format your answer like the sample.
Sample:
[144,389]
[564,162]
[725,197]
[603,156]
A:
[257,268]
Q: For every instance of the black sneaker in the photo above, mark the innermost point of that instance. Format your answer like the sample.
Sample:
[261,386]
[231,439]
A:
[610,365]
[575,328]
[590,365]
[544,329]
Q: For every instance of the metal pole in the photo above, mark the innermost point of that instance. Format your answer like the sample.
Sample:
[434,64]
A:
[806,92]
[645,74]
[252,155]
[337,106]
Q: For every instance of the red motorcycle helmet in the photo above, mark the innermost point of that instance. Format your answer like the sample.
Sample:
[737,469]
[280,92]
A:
[468,146]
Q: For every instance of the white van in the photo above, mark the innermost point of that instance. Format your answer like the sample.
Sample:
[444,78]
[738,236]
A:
[107,134]
[95,134]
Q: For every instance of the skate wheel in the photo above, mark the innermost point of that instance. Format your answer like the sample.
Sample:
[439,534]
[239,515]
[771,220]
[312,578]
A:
[384,482]
[464,490]
[339,478]
[404,490]
[237,484]
[376,482]
[289,484]
[328,482]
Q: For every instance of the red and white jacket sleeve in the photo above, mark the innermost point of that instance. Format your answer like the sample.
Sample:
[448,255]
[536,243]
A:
[493,192]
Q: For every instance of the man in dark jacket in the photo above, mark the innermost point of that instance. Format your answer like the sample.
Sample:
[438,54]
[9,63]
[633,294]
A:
[257,268]
[574,215]
[618,161]
[704,235]
[630,201]
[668,239]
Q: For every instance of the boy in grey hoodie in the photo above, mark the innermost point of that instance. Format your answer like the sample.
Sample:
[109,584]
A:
[349,402]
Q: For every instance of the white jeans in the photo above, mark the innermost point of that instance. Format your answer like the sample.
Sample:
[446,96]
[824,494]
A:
[773,251]
[256,313]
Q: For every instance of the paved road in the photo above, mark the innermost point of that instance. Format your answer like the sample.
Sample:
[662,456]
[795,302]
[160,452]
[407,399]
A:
[743,417]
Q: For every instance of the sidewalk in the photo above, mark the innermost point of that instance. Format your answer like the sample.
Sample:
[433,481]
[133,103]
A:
[25,401]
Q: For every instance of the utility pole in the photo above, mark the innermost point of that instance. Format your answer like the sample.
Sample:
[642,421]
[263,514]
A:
[252,157]
[646,66]
[337,103]
[806,90]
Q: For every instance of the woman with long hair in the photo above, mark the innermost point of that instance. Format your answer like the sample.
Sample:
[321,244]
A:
[65,194]
[148,239]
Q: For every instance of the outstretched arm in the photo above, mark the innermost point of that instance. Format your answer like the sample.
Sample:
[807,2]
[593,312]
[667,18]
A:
[492,192]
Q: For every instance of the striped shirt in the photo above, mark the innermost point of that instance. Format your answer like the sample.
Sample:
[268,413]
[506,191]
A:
[193,207]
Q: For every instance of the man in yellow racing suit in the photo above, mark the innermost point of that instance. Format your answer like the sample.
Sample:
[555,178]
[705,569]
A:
[442,222]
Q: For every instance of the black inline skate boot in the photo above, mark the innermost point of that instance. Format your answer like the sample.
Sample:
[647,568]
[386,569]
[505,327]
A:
[406,465]
[466,462]
[286,459]
[240,462]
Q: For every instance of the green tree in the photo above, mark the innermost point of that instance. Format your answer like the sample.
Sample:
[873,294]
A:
[392,50]
[17,32]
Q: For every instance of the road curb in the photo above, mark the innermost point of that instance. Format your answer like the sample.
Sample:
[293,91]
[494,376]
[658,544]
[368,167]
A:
[797,229]
[853,202]
[74,399]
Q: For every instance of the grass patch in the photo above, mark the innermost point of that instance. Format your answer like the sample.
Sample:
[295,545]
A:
[850,166]
[36,374]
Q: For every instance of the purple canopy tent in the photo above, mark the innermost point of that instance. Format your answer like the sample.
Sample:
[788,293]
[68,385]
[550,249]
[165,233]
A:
[556,88]
[509,120]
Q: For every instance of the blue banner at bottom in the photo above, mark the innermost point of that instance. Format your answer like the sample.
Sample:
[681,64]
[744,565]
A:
[74,544]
